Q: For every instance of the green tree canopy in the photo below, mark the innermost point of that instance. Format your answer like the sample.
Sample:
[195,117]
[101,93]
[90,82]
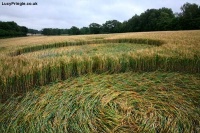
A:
[85,30]
[190,16]
[74,30]
[11,29]
[111,26]
[95,28]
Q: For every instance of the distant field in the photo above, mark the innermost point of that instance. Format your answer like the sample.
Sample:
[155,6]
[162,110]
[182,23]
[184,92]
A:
[131,82]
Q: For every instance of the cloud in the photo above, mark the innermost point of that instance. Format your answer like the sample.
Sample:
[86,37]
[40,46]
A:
[67,13]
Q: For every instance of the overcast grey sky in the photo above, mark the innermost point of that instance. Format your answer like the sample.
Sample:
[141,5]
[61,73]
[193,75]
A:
[67,13]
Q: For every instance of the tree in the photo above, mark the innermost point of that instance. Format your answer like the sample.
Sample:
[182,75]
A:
[85,30]
[111,26]
[95,28]
[190,16]
[64,31]
[152,20]
[148,20]
[51,31]
[11,29]
[133,24]
[165,18]
[190,11]
[24,30]
[74,30]
[125,27]
[33,31]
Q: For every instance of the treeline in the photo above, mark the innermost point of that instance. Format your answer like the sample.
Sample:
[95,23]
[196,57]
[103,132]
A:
[162,19]
[33,31]
[11,29]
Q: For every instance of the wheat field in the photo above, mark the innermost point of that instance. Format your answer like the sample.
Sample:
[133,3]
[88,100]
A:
[130,82]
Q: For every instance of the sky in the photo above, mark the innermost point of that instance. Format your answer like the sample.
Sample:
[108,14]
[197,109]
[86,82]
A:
[79,13]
